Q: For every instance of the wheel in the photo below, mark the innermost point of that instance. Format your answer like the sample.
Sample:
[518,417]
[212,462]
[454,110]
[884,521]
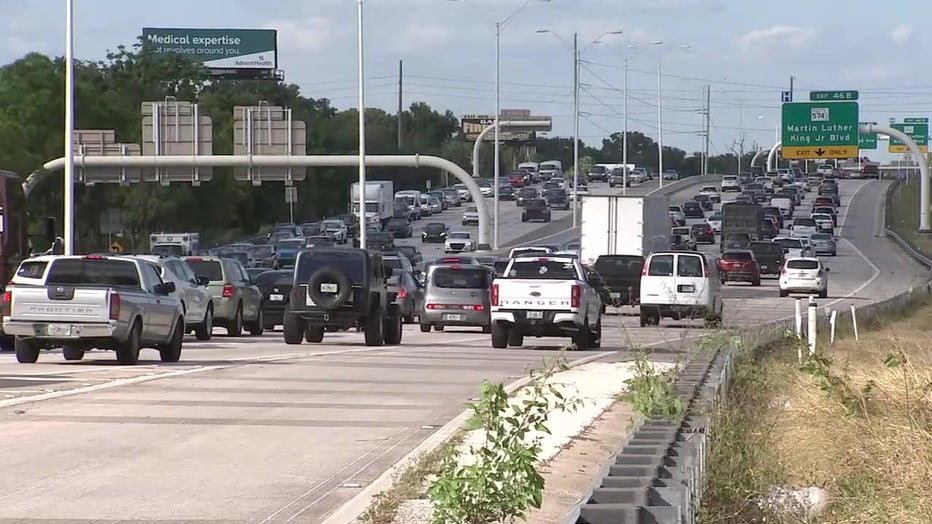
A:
[408,319]
[268,326]
[425,328]
[756,282]
[523,218]
[596,335]
[393,328]
[72,352]
[205,329]
[27,350]
[171,352]
[7,342]
[582,339]
[823,293]
[499,336]
[293,329]
[784,293]
[256,328]
[373,330]
[128,350]
[235,328]
[439,328]
[547,219]
[314,334]
[486,329]
[515,338]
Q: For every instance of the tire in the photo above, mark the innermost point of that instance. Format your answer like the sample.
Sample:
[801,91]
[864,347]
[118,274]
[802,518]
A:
[515,339]
[596,336]
[373,330]
[293,329]
[72,353]
[258,327]
[523,218]
[27,351]
[235,329]
[327,301]
[823,293]
[438,328]
[486,329]
[756,282]
[393,328]
[784,293]
[7,342]
[205,329]
[500,336]
[582,339]
[425,328]
[128,350]
[314,334]
[171,352]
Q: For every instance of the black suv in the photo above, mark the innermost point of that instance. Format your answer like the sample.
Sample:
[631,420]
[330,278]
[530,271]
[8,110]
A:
[337,289]
[557,198]
[535,209]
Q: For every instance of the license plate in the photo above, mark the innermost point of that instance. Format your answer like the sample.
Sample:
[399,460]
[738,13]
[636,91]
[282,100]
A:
[276,298]
[615,295]
[58,330]
[764,266]
[688,288]
[454,317]
[328,288]
[535,314]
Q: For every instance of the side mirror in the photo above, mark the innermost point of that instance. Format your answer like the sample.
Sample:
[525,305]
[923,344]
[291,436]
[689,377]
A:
[202,281]
[166,287]
[827,270]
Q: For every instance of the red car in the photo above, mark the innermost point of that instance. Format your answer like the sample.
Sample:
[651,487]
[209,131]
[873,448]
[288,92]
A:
[739,265]
[517,180]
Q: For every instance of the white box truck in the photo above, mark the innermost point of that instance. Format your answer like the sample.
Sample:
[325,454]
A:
[175,244]
[623,225]
[380,201]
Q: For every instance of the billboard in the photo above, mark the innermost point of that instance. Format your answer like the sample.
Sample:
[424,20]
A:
[235,52]
[472,125]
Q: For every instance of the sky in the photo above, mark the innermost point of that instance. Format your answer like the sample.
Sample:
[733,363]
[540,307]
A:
[746,51]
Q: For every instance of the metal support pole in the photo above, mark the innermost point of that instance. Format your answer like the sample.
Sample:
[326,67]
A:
[68,218]
[660,120]
[575,128]
[624,137]
[498,110]
[362,130]
[925,187]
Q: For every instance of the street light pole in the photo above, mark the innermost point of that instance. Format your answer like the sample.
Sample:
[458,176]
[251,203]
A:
[68,218]
[575,127]
[498,111]
[660,119]
[361,107]
[624,137]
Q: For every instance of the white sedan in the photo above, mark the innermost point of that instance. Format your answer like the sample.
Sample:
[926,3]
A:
[715,222]
[804,275]
[712,192]
[459,241]
[792,246]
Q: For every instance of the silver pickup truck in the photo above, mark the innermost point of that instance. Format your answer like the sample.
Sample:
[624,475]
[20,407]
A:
[84,302]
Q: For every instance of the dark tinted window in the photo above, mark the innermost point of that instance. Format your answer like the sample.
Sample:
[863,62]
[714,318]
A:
[101,272]
[527,192]
[528,251]
[736,255]
[274,278]
[766,247]
[789,243]
[207,268]
[396,222]
[390,263]
[618,264]
[543,270]
[448,277]
[349,262]
[821,236]
[170,250]
[689,266]
[408,251]
[661,266]
[435,228]
[802,264]
[31,269]
[805,222]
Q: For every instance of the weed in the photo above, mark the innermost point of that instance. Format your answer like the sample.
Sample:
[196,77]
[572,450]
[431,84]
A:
[651,393]
[838,387]
[502,482]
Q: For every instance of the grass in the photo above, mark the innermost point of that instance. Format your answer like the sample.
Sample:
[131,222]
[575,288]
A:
[903,216]
[410,484]
[859,427]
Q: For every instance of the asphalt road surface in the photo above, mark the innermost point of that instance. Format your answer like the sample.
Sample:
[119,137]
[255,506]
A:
[251,430]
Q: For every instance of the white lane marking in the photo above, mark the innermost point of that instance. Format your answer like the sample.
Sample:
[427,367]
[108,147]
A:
[841,230]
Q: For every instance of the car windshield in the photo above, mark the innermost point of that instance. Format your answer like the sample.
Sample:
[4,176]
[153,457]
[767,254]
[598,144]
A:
[802,264]
[716,216]
[408,251]
[736,255]
[821,236]
[210,269]
[434,228]
[291,244]
[766,247]
[333,224]
[350,263]
[618,263]
[391,263]
[98,272]
[675,209]
[460,236]
[172,250]
[472,209]
[681,231]
[543,270]
[396,222]
[527,251]
[528,191]
[459,278]
[789,243]
[274,278]
[805,222]
[709,189]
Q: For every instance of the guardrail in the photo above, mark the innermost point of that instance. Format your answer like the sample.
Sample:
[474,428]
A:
[657,475]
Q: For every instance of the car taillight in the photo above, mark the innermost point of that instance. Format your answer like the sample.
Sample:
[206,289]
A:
[644,269]
[478,307]
[402,293]
[7,303]
[297,296]
[574,296]
[494,294]
[115,303]
[709,231]
[783,270]
[227,290]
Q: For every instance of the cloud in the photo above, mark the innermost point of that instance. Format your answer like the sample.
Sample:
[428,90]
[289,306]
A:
[776,36]
[901,34]
[314,33]
[420,37]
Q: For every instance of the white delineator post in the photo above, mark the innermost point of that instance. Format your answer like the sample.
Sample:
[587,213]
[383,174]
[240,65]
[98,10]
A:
[854,322]
[362,132]
[813,318]
[68,218]
[832,320]
[799,318]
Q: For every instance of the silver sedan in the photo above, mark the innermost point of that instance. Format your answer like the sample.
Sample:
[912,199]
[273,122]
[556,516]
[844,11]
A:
[823,244]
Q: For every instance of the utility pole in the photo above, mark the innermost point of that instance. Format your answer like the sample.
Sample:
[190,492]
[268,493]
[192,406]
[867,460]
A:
[708,128]
[400,99]
[575,127]
[740,133]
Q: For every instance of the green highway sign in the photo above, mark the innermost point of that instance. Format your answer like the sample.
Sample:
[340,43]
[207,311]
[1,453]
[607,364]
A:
[833,96]
[915,120]
[867,141]
[225,49]
[919,132]
[820,130]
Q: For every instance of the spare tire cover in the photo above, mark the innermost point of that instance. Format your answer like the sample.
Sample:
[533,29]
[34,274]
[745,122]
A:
[329,288]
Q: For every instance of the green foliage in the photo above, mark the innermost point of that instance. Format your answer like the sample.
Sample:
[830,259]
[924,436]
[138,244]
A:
[650,393]
[837,386]
[502,482]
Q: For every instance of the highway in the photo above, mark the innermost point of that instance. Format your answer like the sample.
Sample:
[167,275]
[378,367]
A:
[251,430]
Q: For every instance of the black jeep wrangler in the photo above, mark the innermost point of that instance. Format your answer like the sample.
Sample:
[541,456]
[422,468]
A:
[339,288]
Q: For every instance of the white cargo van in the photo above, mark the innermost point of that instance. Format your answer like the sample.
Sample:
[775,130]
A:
[680,285]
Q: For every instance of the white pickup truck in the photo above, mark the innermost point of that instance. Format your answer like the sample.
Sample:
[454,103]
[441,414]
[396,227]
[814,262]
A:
[83,302]
[545,296]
